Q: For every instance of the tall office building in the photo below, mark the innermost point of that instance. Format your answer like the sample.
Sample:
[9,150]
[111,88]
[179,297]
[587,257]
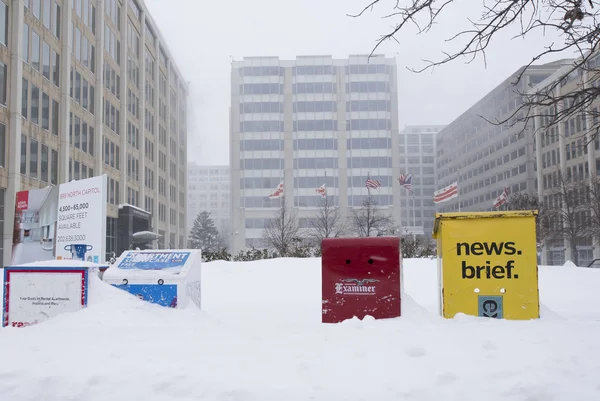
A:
[417,157]
[208,191]
[88,87]
[568,147]
[307,122]
[485,158]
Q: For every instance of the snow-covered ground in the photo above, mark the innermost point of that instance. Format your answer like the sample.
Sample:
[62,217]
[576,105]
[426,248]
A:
[259,338]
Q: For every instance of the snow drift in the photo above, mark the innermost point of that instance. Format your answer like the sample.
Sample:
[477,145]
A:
[259,337]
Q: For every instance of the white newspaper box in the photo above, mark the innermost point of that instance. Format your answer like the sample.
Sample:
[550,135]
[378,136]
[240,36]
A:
[168,278]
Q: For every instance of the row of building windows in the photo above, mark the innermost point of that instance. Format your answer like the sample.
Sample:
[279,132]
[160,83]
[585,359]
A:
[49,14]
[261,89]
[315,106]
[37,160]
[316,144]
[415,139]
[261,126]
[83,50]
[369,162]
[112,117]
[261,144]
[315,125]
[82,92]
[35,104]
[111,154]
[408,203]
[86,12]
[266,71]
[412,149]
[417,159]
[315,163]
[315,88]
[81,135]
[79,171]
[112,80]
[269,183]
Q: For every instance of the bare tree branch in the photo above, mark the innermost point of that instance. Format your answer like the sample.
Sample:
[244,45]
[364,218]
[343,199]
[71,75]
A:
[370,221]
[577,24]
[569,211]
[327,222]
[282,231]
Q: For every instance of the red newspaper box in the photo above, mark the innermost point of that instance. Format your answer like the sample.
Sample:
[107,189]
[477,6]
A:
[360,277]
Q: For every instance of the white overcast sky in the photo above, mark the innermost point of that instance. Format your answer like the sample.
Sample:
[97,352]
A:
[203,37]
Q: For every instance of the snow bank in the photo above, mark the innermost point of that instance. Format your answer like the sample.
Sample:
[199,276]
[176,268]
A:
[259,337]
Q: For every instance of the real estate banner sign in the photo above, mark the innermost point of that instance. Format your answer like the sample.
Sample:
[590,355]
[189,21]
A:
[34,225]
[81,218]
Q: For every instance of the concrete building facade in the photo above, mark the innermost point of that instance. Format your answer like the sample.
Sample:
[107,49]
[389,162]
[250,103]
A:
[307,122]
[88,87]
[569,151]
[485,158]
[417,145]
[209,191]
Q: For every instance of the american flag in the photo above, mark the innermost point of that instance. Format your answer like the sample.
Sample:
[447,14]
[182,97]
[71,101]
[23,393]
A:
[372,183]
[406,181]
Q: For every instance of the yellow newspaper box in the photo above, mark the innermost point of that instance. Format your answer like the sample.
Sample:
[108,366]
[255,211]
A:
[487,264]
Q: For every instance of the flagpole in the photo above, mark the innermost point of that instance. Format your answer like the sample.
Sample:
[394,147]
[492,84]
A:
[414,218]
[458,189]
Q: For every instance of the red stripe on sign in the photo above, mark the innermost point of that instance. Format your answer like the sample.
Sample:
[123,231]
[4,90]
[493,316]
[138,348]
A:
[6,298]
[7,285]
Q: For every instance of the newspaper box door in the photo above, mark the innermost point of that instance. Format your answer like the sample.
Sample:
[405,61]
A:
[360,277]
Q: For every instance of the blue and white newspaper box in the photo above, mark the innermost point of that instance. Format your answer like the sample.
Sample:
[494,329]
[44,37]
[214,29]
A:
[166,277]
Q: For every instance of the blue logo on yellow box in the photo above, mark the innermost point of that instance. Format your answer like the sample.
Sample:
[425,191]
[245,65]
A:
[490,306]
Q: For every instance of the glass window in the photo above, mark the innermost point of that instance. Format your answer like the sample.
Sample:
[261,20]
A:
[84,95]
[91,140]
[77,45]
[35,50]
[23,154]
[35,8]
[77,132]
[56,25]
[85,15]
[44,172]
[24,93]
[54,167]
[25,48]
[3,24]
[2,145]
[33,158]
[46,60]
[55,68]
[77,88]
[55,117]
[92,21]
[45,111]
[3,83]
[84,51]
[35,104]
[91,100]
[46,11]
[84,138]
